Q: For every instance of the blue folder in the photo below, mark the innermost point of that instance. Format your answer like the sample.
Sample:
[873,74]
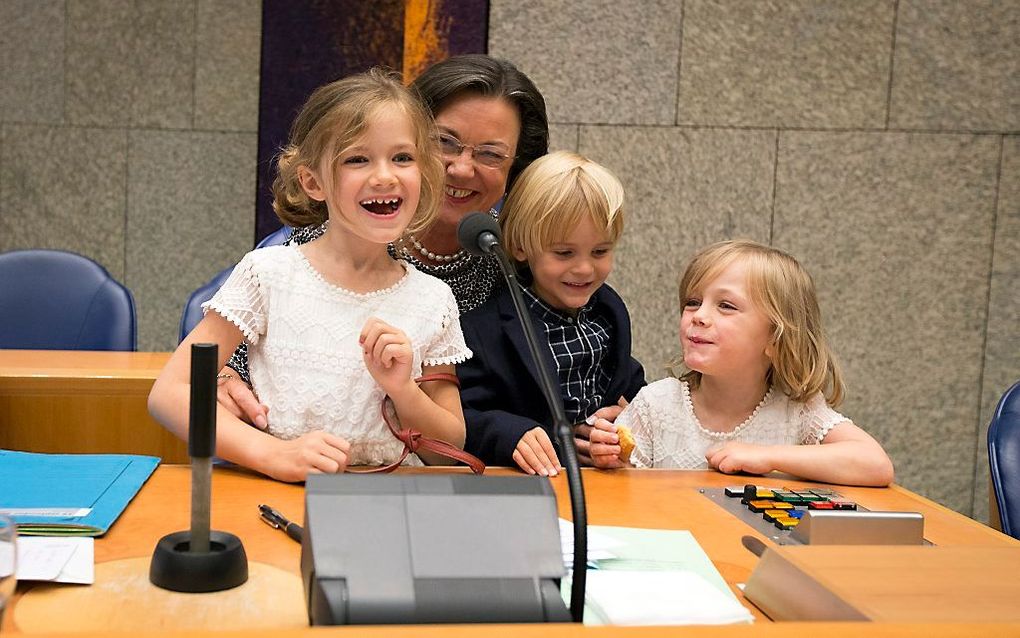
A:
[38,490]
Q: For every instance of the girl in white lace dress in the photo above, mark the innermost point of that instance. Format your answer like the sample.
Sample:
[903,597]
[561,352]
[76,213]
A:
[336,324]
[760,382]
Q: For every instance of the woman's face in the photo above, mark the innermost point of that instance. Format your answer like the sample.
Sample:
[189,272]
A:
[475,120]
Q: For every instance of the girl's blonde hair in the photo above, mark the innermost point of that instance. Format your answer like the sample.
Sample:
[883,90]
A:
[553,195]
[332,119]
[802,362]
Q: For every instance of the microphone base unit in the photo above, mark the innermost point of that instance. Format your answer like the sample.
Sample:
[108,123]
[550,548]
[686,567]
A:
[175,567]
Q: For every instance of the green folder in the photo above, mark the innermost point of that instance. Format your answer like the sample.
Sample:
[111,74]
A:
[69,494]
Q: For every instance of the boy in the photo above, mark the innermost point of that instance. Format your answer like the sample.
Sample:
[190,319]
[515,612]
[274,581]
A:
[560,223]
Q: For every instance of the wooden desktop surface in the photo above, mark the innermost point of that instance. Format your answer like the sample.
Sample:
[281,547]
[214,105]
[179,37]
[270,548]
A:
[82,402]
[635,498]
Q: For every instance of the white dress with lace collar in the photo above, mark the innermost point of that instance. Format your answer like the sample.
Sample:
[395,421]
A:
[667,433]
[306,362]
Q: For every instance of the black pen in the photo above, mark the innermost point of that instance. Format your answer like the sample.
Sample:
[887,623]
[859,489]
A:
[279,521]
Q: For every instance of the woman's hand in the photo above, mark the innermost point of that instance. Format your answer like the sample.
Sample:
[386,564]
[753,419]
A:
[240,400]
[315,452]
[387,353]
[535,453]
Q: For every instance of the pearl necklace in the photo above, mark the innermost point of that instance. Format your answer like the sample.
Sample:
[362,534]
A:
[457,256]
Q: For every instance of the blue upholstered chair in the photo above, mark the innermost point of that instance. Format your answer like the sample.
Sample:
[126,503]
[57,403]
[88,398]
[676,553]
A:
[1004,459]
[56,300]
[193,307]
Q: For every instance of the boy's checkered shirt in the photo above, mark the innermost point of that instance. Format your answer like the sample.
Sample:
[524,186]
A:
[579,347]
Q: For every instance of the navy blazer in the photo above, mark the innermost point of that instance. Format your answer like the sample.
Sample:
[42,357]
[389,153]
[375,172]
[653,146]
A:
[500,389]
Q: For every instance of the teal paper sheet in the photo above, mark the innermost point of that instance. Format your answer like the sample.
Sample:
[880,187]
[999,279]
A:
[104,483]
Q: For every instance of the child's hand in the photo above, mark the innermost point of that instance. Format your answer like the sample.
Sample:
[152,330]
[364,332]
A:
[315,452]
[535,453]
[604,446]
[582,432]
[734,456]
[388,355]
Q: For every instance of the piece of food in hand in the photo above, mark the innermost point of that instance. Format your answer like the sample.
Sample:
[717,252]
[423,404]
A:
[626,442]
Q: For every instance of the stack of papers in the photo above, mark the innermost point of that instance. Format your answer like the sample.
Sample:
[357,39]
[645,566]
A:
[58,560]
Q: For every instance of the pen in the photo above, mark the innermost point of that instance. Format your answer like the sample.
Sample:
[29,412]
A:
[275,519]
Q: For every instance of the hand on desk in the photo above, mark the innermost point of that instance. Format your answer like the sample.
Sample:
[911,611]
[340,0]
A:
[316,452]
[235,395]
[735,456]
[535,453]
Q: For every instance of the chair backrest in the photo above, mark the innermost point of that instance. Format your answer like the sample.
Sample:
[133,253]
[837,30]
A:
[56,300]
[276,237]
[1004,459]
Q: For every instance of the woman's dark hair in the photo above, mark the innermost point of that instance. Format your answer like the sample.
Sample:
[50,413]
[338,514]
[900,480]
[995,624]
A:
[490,77]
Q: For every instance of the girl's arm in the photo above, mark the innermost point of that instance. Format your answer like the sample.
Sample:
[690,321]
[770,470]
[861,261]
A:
[847,455]
[236,441]
[433,408]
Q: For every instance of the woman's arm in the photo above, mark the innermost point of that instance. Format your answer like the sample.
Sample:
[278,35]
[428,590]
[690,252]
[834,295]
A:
[236,441]
[847,455]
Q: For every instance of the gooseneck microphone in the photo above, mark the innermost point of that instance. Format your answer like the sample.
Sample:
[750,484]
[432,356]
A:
[479,234]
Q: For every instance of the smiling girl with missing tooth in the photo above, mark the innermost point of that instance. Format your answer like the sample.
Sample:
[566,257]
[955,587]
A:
[336,324]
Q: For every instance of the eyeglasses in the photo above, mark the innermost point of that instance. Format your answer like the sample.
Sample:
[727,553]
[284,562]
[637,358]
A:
[483,154]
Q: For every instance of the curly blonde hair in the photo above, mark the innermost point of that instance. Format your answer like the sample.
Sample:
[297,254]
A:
[803,363]
[332,119]
[553,195]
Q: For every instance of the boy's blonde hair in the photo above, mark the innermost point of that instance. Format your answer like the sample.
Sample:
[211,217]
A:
[802,363]
[553,195]
[332,119]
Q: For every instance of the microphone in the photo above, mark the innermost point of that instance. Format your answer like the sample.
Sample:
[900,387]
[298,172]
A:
[479,234]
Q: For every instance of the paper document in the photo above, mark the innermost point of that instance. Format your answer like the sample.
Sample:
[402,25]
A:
[660,598]
[56,559]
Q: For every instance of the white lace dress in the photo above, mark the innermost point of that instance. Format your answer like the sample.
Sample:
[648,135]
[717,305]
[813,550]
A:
[667,432]
[306,362]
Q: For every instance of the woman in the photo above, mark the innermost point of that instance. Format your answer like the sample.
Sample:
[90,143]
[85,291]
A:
[492,124]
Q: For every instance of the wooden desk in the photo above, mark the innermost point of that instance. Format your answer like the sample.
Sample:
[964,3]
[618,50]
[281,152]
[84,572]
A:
[82,402]
[637,498]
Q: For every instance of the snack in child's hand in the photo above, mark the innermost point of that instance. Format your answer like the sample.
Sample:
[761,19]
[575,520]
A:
[626,442]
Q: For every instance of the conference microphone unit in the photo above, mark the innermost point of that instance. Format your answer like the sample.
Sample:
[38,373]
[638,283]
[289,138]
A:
[479,234]
[200,559]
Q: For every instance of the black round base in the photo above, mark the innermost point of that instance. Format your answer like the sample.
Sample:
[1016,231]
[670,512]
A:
[174,567]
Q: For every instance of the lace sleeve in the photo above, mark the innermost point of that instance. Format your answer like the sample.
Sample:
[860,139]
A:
[635,416]
[816,419]
[448,346]
[240,300]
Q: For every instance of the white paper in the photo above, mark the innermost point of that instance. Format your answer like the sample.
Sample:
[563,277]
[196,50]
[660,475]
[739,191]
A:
[660,598]
[600,546]
[56,559]
[48,512]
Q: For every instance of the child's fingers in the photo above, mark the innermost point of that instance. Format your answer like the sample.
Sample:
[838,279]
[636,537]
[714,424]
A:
[524,463]
[604,437]
[548,451]
[538,453]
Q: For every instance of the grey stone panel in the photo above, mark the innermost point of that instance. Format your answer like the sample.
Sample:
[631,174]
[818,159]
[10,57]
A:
[806,63]
[957,65]
[130,64]
[684,190]
[64,188]
[99,67]
[32,51]
[164,50]
[896,230]
[1002,345]
[598,61]
[563,137]
[191,198]
[227,65]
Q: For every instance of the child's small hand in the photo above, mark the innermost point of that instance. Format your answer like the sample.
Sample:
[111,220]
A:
[535,453]
[387,354]
[734,456]
[604,446]
[315,452]
[582,432]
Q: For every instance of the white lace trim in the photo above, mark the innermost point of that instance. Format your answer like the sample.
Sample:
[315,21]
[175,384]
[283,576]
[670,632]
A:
[340,290]
[249,334]
[716,434]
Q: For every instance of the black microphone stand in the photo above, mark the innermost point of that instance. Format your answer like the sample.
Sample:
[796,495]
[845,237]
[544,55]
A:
[488,241]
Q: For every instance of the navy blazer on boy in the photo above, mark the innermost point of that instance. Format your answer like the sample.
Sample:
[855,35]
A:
[500,389]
